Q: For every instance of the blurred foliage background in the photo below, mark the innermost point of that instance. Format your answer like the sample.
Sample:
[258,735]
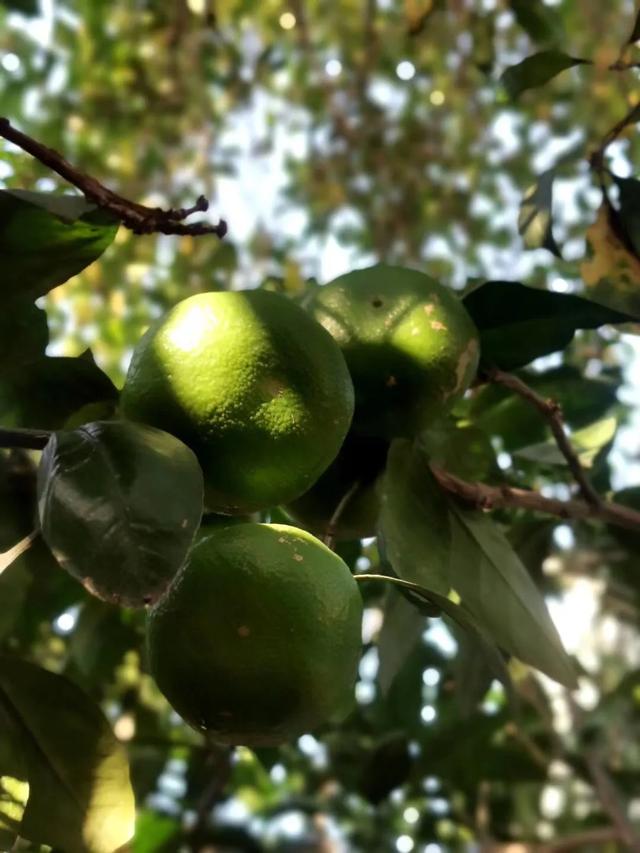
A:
[330,135]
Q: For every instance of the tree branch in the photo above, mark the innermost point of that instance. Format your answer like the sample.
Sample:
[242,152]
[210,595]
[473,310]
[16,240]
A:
[137,217]
[552,413]
[484,497]
[28,439]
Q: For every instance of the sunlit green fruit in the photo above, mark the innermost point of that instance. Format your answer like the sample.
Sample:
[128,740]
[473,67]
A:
[411,347]
[344,503]
[257,389]
[259,639]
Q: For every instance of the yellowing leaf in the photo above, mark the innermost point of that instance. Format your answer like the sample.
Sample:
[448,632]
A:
[610,270]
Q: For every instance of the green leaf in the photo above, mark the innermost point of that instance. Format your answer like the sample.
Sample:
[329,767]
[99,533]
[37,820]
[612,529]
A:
[518,324]
[462,449]
[24,334]
[14,586]
[156,833]
[496,410]
[535,220]
[47,239]
[26,7]
[414,523]
[119,506]
[401,630]
[539,21]
[100,640]
[588,442]
[628,214]
[536,70]
[635,32]
[14,787]
[495,587]
[80,797]
[460,614]
[47,392]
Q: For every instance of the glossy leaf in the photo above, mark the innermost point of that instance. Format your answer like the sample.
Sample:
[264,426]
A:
[414,522]
[119,505]
[518,324]
[536,70]
[535,220]
[495,587]
[47,239]
[80,798]
[45,393]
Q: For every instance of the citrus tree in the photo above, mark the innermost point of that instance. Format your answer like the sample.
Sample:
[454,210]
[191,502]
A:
[282,546]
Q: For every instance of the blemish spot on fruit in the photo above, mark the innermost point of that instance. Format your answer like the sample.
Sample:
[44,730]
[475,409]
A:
[282,540]
[244,631]
[298,558]
[429,309]
[391,382]
[376,302]
[184,523]
[438,326]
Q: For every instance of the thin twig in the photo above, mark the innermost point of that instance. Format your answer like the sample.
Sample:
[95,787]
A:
[552,412]
[137,217]
[329,537]
[484,497]
[596,159]
[8,557]
[28,439]
[610,800]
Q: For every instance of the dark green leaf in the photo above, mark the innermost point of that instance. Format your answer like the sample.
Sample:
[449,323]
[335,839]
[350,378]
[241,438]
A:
[635,33]
[401,630]
[80,798]
[100,641]
[535,220]
[495,587]
[27,7]
[518,324]
[462,449]
[629,209]
[536,70]
[47,392]
[14,585]
[472,671]
[24,334]
[119,506]
[540,22]
[460,614]
[46,239]
[414,522]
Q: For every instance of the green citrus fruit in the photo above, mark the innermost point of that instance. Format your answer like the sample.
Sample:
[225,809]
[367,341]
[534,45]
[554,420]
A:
[253,385]
[344,502]
[258,640]
[411,347]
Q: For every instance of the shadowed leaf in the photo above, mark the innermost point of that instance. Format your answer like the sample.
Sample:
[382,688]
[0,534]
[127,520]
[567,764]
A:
[80,798]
